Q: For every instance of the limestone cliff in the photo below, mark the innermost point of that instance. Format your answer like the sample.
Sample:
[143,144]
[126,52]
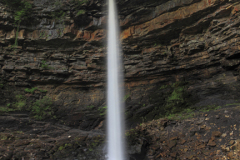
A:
[177,54]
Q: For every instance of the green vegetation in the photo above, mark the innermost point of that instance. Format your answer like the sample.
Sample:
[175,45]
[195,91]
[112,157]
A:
[91,107]
[184,114]
[42,34]
[80,12]
[164,86]
[210,108]
[102,110]
[126,97]
[168,100]
[44,65]
[43,91]
[64,146]
[232,104]
[58,15]
[18,105]
[32,90]
[39,109]
[21,102]
[189,113]
[6,109]
[42,108]
[22,10]
[3,137]
[175,102]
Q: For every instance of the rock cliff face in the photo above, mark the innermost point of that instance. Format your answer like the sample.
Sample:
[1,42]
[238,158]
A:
[61,49]
[177,54]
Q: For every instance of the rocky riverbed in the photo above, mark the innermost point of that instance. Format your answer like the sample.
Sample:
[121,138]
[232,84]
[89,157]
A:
[212,133]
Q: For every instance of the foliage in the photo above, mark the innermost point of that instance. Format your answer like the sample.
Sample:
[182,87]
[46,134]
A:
[42,108]
[80,12]
[58,15]
[21,102]
[175,100]
[163,86]
[42,34]
[18,105]
[184,114]
[102,110]
[44,65]
[126,97]
[6,109]
[232,104]
[169,99]
[189,112]
[43,91]
[32,90]
[3,137]
[22,10]
[210,108]
[64,146]
[91,107]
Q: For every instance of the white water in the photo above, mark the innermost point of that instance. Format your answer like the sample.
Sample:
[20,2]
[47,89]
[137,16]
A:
[115,130]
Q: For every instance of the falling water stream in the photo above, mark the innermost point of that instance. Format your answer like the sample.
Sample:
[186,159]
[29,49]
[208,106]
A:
[115,128]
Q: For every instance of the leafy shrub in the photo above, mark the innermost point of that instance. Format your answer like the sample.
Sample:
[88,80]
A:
[6,109]
[80,12]
[102,110]
[21,102]
[42,108]
[32,90]
[175,101]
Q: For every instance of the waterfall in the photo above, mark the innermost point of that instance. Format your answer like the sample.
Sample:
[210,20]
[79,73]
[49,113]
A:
[115,127]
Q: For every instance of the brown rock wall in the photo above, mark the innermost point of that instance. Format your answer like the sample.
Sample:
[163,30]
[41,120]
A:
[194,41]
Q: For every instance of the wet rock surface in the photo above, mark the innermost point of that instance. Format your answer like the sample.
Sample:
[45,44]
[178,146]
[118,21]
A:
[176,55]
[209,135]
[24,138]
[190,41]
[206,135]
